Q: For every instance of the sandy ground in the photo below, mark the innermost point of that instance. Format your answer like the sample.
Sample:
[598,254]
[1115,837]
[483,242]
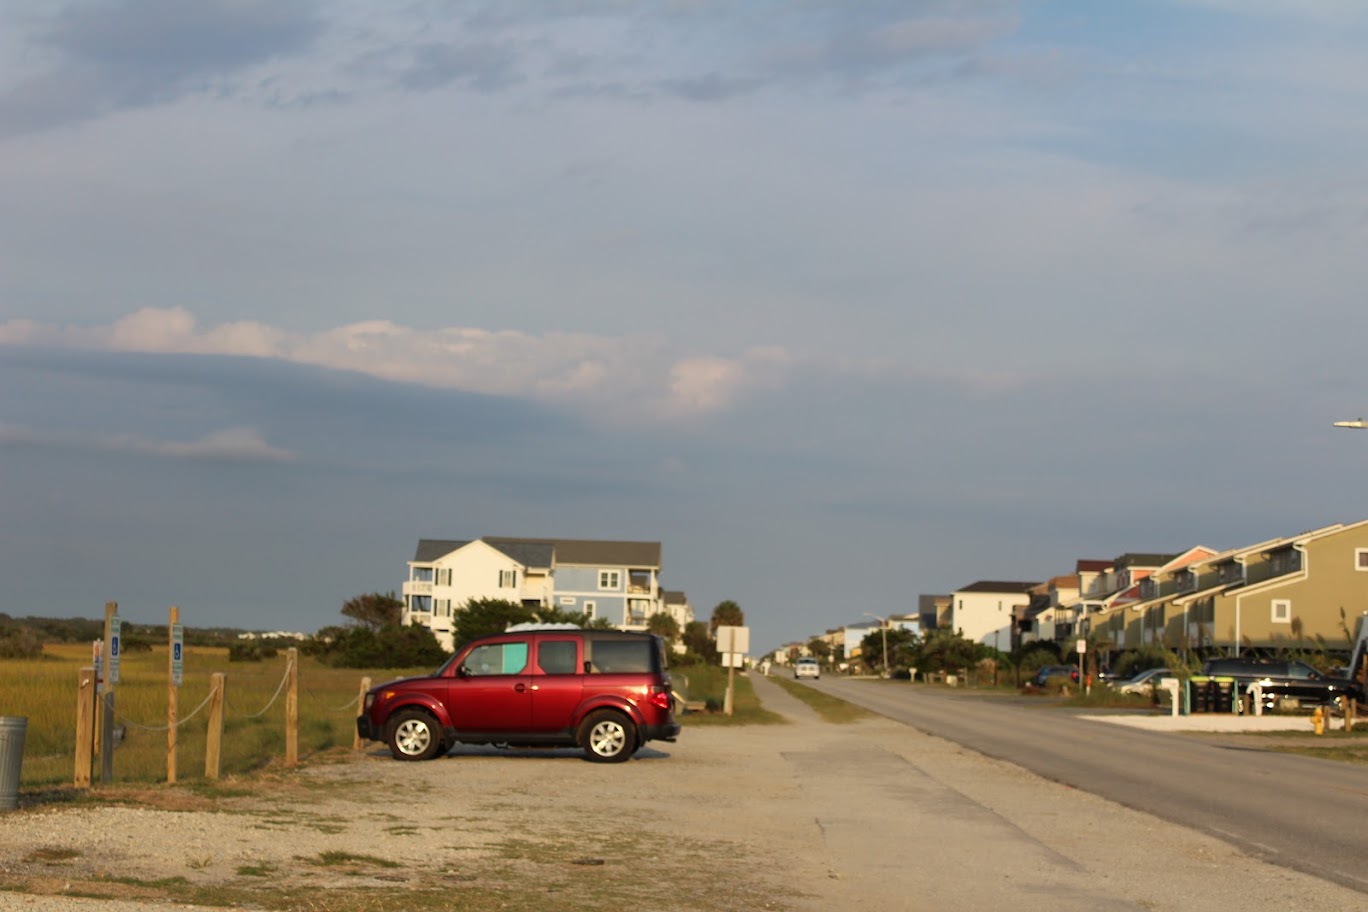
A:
[803,816]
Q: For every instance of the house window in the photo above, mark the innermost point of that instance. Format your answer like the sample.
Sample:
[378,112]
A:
[1361,558]
[1282,611]
[590,608]
[610,579]
[508,579]
[421,604]
[422,574]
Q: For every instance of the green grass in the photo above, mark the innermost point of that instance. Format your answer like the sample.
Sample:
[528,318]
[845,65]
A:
[708,684]
[44,690]
[831,709]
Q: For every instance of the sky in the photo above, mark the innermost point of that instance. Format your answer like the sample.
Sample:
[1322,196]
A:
[841,302]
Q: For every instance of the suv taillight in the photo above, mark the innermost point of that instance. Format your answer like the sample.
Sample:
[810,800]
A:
[659,697]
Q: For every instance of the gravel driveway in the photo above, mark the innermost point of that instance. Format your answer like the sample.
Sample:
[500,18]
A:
[807,815]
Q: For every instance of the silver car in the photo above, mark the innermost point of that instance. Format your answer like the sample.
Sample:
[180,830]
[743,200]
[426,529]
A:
[1145,682]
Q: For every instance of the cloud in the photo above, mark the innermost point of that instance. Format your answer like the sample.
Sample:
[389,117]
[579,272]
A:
[1330,11]
[630,376]
[109,56]
[484,67]
[241,444]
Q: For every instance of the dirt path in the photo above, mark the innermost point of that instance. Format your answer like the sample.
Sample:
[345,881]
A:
[803,816]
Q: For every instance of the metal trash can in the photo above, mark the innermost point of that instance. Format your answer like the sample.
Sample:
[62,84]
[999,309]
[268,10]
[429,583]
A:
[12,729]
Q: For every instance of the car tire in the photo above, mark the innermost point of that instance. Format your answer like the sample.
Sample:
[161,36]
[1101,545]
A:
[413,735]
[608,736]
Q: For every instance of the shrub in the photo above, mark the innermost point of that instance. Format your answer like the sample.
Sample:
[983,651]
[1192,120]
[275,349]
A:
[20,643]
[388,647]
[248,651]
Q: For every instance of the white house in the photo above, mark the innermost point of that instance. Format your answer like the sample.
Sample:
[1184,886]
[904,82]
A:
[985,611]
[617,580]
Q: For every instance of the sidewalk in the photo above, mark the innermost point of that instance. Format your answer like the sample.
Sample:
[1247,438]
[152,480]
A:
[1217,722]
[896,819]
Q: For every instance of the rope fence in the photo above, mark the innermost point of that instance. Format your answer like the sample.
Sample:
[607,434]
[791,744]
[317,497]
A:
[96,705]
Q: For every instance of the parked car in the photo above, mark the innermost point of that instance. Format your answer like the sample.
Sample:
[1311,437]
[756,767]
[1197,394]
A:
[1283,680]
[1046,672]
[604,691]
[807,668]
[1145,682]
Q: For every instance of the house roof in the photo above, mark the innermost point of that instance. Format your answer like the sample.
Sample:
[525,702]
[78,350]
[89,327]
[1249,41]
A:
[673,597]
[585,551]
[1138,559]
[430,549]
[542,553]
[1092,566]
[539,555]
[997,586]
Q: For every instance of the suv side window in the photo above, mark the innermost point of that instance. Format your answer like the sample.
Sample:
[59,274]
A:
[1302,670]
[621,656]
[496,659]
[557,657]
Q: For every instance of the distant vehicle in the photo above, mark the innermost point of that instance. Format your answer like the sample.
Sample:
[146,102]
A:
[1145,682]
[807,668]
[1046,672]
[1281,681]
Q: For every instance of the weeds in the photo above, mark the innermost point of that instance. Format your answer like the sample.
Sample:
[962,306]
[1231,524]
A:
[831,709]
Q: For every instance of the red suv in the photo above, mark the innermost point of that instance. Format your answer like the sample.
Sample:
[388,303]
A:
[605,691]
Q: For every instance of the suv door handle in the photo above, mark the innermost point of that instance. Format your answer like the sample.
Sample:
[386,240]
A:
[519,688]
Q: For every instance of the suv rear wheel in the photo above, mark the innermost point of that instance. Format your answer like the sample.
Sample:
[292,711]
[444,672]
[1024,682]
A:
[608,737]
[413,735]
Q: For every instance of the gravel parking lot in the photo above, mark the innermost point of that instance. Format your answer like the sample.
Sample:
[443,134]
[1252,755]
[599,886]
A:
[807,815]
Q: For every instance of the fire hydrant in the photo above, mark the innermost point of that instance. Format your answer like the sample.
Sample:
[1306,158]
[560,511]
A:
[1318,720]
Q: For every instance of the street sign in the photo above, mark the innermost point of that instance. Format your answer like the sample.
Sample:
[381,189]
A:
[177,648]
[733,639]
[1082,646]
[114,624]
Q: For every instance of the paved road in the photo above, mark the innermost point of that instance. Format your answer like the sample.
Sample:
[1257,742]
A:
[1297,812]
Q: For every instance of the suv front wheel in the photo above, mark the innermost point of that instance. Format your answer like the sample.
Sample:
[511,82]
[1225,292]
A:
[608,737]
[413,735]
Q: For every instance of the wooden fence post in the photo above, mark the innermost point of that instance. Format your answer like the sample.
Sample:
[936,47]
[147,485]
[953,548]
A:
[213,741]
[360,708]
[85,727]
[292,710]
[172,706]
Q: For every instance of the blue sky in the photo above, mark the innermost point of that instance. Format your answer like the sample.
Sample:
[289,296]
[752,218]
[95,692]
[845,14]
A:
[841,302]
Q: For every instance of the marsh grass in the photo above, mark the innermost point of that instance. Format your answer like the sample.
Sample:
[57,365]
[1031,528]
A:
[44,690]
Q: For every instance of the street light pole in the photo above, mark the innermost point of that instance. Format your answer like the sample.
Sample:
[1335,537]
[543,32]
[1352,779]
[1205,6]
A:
[883,634]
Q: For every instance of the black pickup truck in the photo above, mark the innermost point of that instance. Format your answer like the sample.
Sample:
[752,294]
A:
[1280,680]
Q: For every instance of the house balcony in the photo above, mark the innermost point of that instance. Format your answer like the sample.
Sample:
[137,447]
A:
[416,587]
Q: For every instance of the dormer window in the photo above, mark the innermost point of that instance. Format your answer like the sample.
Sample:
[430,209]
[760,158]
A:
[1285,561]
[1232,573]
